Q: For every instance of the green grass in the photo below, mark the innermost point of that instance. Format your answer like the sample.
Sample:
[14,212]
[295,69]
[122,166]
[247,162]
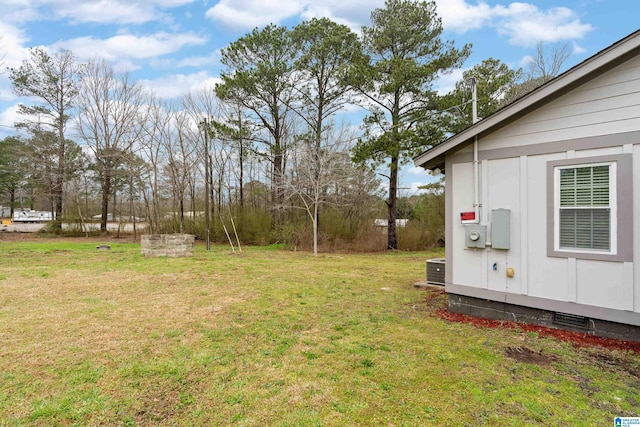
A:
[271,337]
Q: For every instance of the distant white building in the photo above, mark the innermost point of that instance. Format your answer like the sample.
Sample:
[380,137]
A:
[383,223]
[30,215]
[5,212]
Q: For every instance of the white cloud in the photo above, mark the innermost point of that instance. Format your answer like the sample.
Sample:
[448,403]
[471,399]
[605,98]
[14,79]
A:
[12,41]
[200,61]
[8,118]
[526,60]
[459,16]
[98,11]
[525,24]
[412,188]
[124,48]
[18,11]
[254,13]
[447,82]
[175,85]
[9,115]
[169,3]
[353,13]
[6,92]
[577,49]
[104,11]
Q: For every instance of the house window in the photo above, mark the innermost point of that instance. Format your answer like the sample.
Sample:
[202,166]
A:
[590,208]
[586,208]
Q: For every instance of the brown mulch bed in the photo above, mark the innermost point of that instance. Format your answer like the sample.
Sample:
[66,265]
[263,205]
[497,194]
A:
[434,298]
[576,338]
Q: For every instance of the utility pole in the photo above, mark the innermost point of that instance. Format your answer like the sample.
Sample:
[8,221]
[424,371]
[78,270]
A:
[207,221]
[474,100]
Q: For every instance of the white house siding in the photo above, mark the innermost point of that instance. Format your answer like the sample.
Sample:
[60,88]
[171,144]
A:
[503,192]
[600,283]
[606,105]
[635,269]
[595,152]
[468,266]
[602,106]
[547,277]
[519,184]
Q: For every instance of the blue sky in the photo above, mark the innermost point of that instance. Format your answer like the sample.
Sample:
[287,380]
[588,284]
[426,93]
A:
[173,45]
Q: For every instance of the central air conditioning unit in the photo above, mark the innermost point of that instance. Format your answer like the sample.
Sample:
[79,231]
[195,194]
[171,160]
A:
[435,271]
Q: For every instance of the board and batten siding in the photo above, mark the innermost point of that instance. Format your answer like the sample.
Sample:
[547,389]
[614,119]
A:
[607,105]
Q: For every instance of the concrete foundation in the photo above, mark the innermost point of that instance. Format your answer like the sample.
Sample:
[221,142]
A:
[167,245]
[503,311]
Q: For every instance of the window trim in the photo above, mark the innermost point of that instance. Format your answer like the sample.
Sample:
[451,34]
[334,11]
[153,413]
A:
[620,200]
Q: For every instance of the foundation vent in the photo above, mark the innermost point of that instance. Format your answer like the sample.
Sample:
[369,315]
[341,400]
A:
[569,320]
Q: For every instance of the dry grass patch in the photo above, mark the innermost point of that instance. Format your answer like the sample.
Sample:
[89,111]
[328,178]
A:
[271,338]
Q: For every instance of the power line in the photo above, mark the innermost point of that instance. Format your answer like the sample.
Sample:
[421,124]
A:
[15,129]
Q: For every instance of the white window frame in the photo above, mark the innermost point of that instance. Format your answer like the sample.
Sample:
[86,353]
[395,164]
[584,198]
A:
[613,209]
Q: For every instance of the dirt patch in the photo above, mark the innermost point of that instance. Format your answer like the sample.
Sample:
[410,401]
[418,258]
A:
[526,355]
[433,294]
[157,405]
[613,363]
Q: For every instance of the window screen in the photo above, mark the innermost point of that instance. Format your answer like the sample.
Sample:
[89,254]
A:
[585,209]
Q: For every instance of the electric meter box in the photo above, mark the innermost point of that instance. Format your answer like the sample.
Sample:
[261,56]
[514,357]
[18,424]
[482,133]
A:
[501,229]
[475,236]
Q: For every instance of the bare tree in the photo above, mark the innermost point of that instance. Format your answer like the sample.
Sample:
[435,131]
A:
[152,146]
[543,66]
[110,114]
[546,64]
[318,172]
[181,149]
[200,107]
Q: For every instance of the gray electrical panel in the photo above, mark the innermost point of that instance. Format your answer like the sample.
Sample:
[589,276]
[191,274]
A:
[475,236]
[501,229]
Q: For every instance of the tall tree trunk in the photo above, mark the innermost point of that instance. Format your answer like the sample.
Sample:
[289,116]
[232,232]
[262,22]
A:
[59,180]
[277,194]
[181,202]
[315,230]
[147,205]
[12,201]
[115,198]
[106,192]
[132,210]
[392,240]
[241,162]
[207,187]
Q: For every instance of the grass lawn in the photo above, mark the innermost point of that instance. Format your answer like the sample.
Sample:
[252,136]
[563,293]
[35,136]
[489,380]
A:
[273,338]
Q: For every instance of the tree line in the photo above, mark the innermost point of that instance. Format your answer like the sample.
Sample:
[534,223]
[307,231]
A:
[266,146]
